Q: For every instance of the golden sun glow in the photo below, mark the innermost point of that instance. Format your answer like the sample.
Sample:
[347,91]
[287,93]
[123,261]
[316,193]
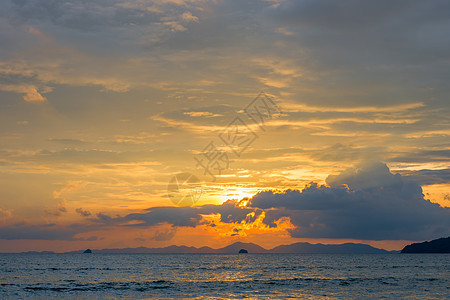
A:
[131,146]
[237,193]
[245,228]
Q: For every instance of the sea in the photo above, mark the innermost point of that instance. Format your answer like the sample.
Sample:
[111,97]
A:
[228,276]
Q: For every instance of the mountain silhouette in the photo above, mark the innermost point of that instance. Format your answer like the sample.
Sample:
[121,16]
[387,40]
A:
[441,245]
[328,249]
[254,248]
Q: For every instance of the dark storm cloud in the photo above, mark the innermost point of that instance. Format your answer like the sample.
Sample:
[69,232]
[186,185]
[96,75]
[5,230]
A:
[366,203]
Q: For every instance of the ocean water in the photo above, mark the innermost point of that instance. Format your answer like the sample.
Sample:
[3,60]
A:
[261,276]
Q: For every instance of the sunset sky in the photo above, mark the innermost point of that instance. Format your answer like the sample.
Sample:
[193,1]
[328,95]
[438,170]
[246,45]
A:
[102,103]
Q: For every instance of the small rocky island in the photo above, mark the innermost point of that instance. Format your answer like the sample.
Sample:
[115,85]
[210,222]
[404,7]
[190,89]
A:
[87,251]
[435,246]
[243,251]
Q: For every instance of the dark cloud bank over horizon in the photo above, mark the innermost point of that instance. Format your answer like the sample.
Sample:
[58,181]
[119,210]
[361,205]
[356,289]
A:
[368,203]
[365,203]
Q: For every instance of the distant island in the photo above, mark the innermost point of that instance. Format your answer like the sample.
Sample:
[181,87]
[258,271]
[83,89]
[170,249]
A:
[38,252]
[441,245]
[303,248]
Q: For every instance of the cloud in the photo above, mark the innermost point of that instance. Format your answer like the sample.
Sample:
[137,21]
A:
[187,16]
[368,202]
[32,95]
[59,210]
[29,93]
[94,16]
[366,30]
[5,214]
[82,212]
[43,232]
[68,141]
[164,235]
[205,114]
[184,216]
[230,211]
[357,79]
[425,155]
[367,175]
[428,177]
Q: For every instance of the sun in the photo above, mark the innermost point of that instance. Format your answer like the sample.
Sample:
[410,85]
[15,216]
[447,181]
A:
[237,193]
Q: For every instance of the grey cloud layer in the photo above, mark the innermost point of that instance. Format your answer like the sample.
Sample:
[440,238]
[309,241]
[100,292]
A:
[395,50]
[45,232]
